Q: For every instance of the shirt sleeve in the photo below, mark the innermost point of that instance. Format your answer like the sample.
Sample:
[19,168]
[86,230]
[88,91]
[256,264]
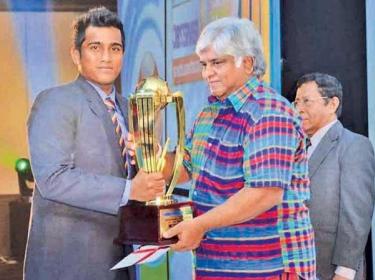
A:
[269,152]
[345,272]
[188,149]
[187,152]
[126,193]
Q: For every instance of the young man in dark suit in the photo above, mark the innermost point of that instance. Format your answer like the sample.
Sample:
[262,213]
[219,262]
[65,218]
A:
[76,138]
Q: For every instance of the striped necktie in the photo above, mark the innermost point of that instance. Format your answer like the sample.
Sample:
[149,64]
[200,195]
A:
[308,147]
[111,107]
[308,143]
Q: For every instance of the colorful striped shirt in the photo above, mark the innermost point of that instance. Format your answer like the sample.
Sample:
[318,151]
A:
[252,139]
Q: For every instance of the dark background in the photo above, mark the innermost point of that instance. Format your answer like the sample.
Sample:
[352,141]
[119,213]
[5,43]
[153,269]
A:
[327,36]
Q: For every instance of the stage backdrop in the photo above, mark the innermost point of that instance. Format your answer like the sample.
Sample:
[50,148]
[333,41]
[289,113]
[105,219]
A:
[28,66]
[161,37]
[34,54]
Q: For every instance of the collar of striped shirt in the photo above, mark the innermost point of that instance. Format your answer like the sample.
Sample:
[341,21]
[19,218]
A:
[238,98]
[102,94]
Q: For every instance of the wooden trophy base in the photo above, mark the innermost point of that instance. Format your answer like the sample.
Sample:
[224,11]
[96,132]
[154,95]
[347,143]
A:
[145,224]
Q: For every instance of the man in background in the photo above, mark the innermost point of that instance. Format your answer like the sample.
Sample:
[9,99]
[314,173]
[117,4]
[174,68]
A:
[76,138]
[341,170]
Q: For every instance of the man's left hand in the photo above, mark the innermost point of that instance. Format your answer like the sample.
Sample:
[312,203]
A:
[190,234]
[130,146]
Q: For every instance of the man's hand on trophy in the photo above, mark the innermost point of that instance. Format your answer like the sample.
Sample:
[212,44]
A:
[147,186]
[130,146]
[190,234]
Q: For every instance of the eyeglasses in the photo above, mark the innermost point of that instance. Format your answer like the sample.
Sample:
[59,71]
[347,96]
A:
[307,101]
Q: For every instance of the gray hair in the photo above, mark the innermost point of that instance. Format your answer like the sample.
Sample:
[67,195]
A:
[234,36]
[328,86]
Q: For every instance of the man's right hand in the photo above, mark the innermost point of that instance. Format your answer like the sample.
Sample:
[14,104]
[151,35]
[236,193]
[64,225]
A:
[147,186]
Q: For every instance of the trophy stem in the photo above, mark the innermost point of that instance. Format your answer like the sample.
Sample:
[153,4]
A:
[164,200]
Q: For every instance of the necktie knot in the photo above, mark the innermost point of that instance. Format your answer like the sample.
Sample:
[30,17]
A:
[110,104]
[308,143]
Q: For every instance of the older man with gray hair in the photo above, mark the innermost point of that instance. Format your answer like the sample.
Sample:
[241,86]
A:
[342,171]
[247,160]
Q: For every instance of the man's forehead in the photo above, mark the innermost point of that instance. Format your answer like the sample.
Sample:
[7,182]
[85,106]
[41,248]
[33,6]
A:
[207,57]
[102,42]
[103,34]
[308,88]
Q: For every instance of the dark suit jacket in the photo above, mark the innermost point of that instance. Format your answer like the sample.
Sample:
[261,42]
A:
[342,172]
[79,174]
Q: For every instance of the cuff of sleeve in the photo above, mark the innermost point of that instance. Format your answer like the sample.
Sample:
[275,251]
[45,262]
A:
[345,272]
[259,183]
[126,193]
[186,161]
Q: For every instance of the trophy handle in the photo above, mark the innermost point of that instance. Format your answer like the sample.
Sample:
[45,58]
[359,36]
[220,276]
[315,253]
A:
[133,127]
[180,113]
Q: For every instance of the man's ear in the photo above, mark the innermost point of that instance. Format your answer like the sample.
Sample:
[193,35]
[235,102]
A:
[335,103]
[248,63]
[76,57]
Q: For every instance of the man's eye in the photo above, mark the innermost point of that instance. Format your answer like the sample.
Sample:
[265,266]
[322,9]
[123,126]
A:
[116,49]
[306,100]
[218,62]
[94,47]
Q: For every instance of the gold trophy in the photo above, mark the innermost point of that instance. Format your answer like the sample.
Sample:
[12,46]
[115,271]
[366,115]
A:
[145,223]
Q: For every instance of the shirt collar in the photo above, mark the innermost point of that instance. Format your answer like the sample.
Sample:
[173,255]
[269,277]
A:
[238,98]
[315,139]
[102,94]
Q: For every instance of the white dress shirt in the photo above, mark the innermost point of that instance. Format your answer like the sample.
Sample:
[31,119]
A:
[317,137]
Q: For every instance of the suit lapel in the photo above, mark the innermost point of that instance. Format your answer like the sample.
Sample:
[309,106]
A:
[98,107]
[328,142]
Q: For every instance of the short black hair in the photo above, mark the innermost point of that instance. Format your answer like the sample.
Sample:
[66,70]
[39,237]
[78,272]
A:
[98,17]
[328,86]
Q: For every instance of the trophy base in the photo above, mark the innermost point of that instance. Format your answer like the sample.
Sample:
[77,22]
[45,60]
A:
[145,224]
